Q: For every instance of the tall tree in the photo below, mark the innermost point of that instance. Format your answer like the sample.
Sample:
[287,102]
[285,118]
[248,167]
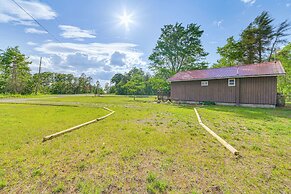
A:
[249,45]
[231,53]
[118,80]
[107,88]
[284,82]
[264,33]
[256,38]
[2,76]
[279,36]
[85,84]
[178,48]
[15,72]
[97,88]
[257,42]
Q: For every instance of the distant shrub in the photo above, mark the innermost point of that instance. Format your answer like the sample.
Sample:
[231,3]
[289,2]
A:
[58,189]
[256,148]
[155,185]
[151,177]
[36,172]
[2,184]
[207,103]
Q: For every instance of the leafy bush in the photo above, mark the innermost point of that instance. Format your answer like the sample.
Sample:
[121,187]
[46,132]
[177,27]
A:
[2,184]
[207,103]
[155,185]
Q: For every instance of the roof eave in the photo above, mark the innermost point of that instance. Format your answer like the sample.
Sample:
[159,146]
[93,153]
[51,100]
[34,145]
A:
[263,75]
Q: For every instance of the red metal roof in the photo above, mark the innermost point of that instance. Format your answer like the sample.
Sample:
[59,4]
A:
[253,70]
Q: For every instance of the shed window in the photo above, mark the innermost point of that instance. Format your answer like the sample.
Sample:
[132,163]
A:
[231,82]
[204,83]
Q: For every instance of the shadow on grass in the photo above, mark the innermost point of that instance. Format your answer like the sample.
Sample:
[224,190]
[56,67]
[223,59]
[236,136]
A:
[252,113]
[245,112]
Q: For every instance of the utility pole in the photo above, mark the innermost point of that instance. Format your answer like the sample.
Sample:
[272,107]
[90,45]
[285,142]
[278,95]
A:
[38,78]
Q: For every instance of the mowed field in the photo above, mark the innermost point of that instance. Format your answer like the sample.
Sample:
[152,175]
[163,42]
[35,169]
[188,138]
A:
[144,147]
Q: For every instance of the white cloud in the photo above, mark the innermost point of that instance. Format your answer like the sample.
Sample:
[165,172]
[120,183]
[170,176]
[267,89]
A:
[251,2]
[218,23]
[75,32]
[99,51]
[117,59]
[35,31]
[26,23]
[31,43]
[10,12]
[98,60]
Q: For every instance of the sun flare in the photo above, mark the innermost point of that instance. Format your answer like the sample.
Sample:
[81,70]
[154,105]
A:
[126,19]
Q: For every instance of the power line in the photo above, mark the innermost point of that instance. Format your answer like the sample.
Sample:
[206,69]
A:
[36,21]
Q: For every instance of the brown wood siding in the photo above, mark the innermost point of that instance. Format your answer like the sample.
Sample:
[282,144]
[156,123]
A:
[258,90]
[216,91]
[261,90]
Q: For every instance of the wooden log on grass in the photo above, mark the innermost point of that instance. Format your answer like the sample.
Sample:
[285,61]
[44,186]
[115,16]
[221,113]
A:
[78,126]
[222,141]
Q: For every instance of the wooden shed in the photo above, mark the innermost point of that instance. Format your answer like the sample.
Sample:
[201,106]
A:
[245,85]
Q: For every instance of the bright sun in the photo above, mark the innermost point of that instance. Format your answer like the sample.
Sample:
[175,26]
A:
[126,19]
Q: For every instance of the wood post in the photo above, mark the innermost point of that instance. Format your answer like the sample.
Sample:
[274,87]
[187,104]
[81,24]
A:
[237,91]
[38,78]
[78,126]
[223,142]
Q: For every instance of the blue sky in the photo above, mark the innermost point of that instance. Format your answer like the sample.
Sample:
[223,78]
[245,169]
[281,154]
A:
[96,40]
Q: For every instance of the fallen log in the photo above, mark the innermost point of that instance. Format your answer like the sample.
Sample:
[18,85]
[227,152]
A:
[78,126]
[222,141]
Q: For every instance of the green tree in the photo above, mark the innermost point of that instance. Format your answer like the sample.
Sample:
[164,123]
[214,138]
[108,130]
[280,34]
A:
[15,73]
[279,36]
[256,38]
[45,81]
[2,77]
[264,29]
[85,84]
[178,48]
[257,42]
[159,85]
[284,82]
[135,82]
[118,80]
[98,90]
[135,85]
[231,53]
[107,88]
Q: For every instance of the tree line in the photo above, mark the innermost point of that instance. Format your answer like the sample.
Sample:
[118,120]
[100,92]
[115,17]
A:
[16,78]
[179,48]
[137,82]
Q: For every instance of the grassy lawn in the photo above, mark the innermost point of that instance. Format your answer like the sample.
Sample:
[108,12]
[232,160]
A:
[143,147]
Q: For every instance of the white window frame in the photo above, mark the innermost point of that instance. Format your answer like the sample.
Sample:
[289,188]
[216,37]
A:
[204,83]
[229,82]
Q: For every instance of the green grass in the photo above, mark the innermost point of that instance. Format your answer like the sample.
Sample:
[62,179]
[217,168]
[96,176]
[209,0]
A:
[24,96]
[143,147]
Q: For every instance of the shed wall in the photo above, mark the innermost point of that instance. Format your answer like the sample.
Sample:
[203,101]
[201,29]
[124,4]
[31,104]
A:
[259,90]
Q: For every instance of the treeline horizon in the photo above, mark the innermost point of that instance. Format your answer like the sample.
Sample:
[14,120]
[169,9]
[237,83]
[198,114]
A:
[179,48]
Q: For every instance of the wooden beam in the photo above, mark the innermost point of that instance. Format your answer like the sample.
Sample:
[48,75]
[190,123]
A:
[78,126]
[222,141]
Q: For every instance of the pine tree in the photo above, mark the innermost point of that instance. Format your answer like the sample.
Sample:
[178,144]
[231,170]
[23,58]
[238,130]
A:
[15,72]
